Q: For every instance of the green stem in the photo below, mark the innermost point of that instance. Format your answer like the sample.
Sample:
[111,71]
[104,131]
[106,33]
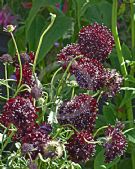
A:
[19,59]
[132,22]
[123,67]
[116,38]
[6,77]
[53,17]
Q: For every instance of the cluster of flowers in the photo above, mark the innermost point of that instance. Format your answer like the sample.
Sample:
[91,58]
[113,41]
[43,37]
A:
[94,45]
[21,112]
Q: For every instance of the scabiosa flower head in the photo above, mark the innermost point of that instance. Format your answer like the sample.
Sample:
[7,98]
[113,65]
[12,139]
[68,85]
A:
[96,41]
[6,58]
[68,53]
[27,76]
[26,58]
[89,73]
[79,150]
[18,111]
[38,137]
[112,82]
[115,144]
[81,112]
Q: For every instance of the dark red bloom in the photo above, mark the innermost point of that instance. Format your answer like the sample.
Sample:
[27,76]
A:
[26,58]
[68,53]
[27,75]
[112,82]
[79,150]
[116,143]
[18,111]
[81,112]
[38,137]
[96,41]
[89,73]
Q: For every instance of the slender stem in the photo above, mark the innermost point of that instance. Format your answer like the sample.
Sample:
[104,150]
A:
[6,77]
[101,128]
[132,8]
[53,17]
[116,38]
[123,66]
[19,59]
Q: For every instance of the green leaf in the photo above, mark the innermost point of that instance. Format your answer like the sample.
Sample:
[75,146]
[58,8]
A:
[125,164]
[36,7]
[35,31]
[100,164]
[126,52]
[109,113]
[60,26]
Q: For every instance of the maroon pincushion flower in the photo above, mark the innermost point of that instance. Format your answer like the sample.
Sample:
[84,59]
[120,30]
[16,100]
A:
[116,143]
[112,82]
[27,75]
[26,58]
[68,53]
[38,137]
[81,112]
[89,73]
[79,150]
[96,41]
[18,111]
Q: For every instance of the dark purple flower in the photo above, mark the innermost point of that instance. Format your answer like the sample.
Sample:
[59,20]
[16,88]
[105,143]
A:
[96,41]
[67,54]
[89,73]
[79,150]
[18,111]
[27,75]
[6,58]
[81,112]
[115,144]
[38,137]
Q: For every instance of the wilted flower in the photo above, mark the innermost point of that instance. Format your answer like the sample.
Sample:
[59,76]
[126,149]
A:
[81,112]
[96,41]
[53,149]
[78,149]
[36,92]
[115,144]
